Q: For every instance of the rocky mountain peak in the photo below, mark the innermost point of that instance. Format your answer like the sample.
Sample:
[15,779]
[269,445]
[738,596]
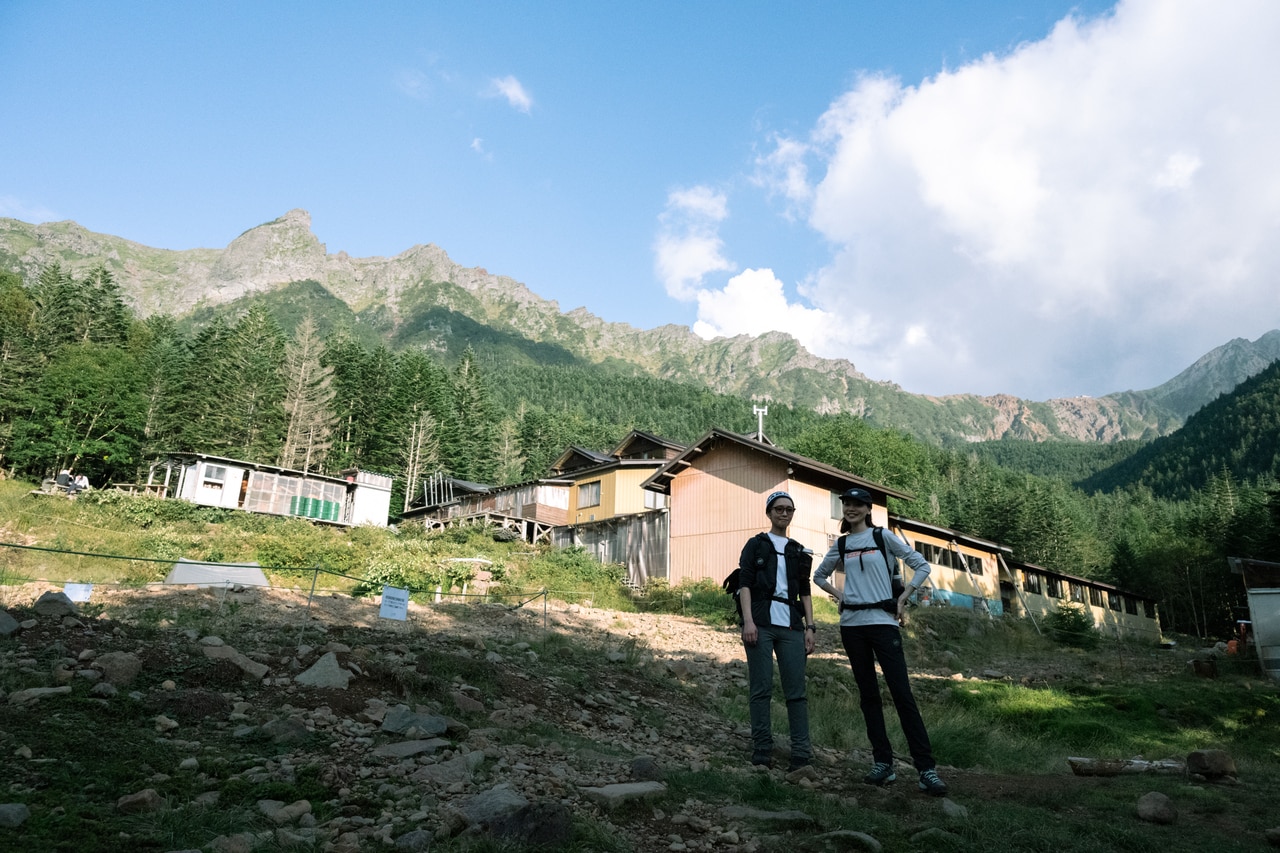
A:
[261,258]
[772,366]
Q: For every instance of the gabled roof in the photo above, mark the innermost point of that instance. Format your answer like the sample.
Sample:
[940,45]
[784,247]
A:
[469,486]
[641,442]
[638,450]
[802,467]
[576,458]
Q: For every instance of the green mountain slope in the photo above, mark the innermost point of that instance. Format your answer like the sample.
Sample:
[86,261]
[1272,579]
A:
[1238,433]
[422,299]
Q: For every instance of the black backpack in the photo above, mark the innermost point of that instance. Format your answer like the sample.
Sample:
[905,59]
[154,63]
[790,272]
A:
[733,584]
[890,561]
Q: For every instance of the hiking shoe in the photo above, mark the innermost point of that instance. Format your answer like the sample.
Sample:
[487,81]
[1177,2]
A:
[797,764]
[762,759]
[931,783]
[880,774]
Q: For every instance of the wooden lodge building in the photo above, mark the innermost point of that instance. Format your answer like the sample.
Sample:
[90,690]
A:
[531,510]
[353,497]
[680,513]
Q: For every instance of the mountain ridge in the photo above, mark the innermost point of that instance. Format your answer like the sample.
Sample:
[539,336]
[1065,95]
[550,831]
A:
[769,367]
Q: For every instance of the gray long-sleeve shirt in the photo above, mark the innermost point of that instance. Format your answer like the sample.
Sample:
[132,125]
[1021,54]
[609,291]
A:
[866,577]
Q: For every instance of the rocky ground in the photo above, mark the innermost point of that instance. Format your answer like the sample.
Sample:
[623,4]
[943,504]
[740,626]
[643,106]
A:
[483,720]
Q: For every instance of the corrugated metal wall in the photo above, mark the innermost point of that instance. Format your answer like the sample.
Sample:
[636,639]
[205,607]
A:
[716,505]
[638,542]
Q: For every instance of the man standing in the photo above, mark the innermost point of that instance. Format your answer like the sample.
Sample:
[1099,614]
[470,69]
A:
[777,619]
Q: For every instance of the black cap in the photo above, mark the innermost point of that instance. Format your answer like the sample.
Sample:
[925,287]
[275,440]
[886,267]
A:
[862,496]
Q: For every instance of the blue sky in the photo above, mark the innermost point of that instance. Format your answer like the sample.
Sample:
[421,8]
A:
[1037,198]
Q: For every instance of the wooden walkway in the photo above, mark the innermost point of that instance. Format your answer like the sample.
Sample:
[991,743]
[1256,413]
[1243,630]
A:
[530,530]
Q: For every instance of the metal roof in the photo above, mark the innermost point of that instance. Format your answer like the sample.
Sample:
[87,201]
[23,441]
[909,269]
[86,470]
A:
[804,468]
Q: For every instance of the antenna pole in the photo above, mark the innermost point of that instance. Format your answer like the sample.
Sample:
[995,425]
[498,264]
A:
[760,412]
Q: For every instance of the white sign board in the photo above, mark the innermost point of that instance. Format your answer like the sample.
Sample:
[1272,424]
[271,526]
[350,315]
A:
[395,603]
[78,592]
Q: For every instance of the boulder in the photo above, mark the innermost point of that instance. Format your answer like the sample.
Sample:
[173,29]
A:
[1155,807]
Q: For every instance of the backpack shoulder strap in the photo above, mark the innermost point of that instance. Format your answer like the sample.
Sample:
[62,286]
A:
[890,560]
[840,546]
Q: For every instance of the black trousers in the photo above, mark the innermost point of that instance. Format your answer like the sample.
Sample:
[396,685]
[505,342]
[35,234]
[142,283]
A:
[866,644]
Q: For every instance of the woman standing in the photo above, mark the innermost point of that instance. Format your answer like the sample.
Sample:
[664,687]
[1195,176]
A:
[777,619]
[870,616]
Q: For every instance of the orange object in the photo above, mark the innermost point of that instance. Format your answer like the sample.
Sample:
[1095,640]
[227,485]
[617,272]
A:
[1233,646]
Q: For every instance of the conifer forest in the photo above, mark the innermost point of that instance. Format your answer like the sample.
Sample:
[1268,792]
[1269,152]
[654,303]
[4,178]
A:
[87,385]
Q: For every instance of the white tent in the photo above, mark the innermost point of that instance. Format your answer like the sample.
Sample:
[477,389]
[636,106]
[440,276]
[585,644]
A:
[216,574]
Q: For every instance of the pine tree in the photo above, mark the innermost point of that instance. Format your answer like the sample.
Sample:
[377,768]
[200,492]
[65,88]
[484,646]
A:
[410,420]
[348,361]
[205,424]
[256,356]
[509,461]
[308,400]
[108,320]
[379,420]
[19,360]
[162,355]
[468,447]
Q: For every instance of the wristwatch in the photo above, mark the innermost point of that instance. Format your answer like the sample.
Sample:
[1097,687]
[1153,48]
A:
[813,628]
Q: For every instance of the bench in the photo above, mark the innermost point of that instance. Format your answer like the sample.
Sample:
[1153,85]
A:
[49,488]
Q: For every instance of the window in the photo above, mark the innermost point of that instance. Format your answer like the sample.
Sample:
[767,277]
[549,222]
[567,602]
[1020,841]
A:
[1077,592]
[1113,600]
[1054,586]
[1095,596]
[214,476]
[1031,582]
[975,563]
[1149,609]
[837,508]
[933,554]
[654,500]
[589,494]
[1130,605]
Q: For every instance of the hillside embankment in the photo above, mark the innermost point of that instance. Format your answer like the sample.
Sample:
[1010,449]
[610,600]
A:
[267,719]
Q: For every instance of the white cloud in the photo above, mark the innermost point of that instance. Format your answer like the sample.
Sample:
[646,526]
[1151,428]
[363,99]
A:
[1090,213]
[754,302]
[511,89]
[688,245]
[689,248]
[784,172]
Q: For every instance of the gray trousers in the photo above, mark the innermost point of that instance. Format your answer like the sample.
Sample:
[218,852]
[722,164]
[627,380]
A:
[788,646]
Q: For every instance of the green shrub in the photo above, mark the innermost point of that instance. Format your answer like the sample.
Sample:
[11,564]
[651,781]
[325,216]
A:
[146,510]
[298,544]
[1071,625]
[378,576]
[415,565]
[702,599]
[574,575]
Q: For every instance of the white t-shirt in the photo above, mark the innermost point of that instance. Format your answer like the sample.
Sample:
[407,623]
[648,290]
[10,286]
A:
[780,612]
